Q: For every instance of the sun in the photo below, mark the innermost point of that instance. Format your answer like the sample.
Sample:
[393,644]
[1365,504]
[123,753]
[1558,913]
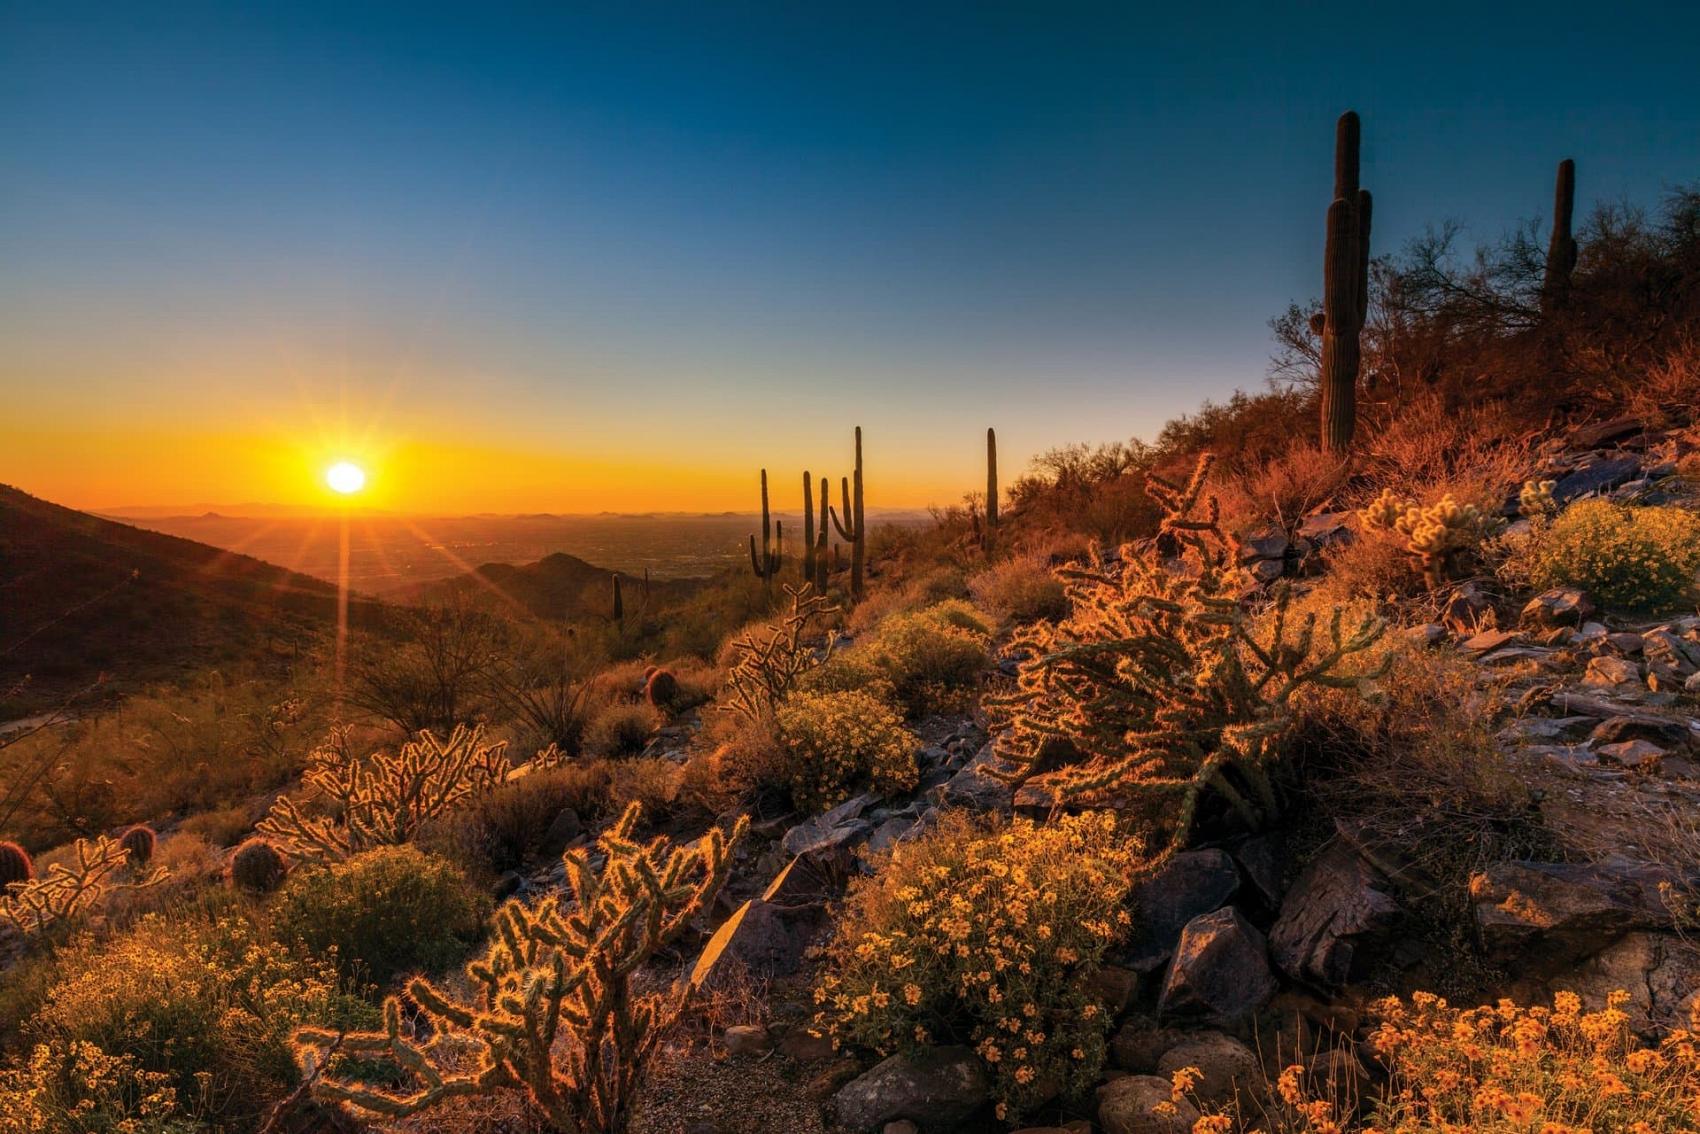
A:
[345,477]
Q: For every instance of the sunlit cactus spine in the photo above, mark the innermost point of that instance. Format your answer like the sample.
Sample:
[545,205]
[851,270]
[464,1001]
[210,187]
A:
[1561,247]
[257,867]
[1345,290]
[16,865]
[766,563]
[991,488]
[68,890]
[139,842]
[852,525]
[551,1010]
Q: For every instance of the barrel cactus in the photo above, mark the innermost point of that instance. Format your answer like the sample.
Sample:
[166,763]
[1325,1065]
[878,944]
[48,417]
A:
[139,841]
[662,689]
[257,867]
[15,865]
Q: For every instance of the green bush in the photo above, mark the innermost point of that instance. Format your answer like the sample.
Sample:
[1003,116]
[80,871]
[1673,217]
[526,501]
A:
[933,656]
[985,936]
[849,671]
[76,1088]
[837,744]
[1630,558]
[385,912]
[205,1002]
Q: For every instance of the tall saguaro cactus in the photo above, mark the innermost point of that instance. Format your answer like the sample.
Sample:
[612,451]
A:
[818,578]
[852,526]
[619,602]
[808,528]
[991,488]
[1561,249]
[1345,290]
[766,564]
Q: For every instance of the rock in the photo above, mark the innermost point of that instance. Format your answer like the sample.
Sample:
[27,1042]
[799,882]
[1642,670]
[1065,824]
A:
[1692,685]
[754,940]
[1489,640]
[804,1046]
[1513,655]
[1262,861]
[823,839]
[901,1126]
[798,884]
[1326,528]
[1626,642]
[1114,987]
[1604,432]
[1600,476]
[1606,672]
[1132,1105]
[1544,915]
[977,790]
[1428,634]
[1230,1071]
[889,832]
[935,1087]
[1632,753]
[1561,606]
[1465,609]
[1268,543]
[507,885]
[1662,731]
[1188,884]
[747,1039]
[1660,972]
[1139,1044]
[1338,909]
[562,830]
[1266,571]
[1220,974]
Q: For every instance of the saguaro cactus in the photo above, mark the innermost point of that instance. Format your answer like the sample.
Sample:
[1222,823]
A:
[1345,290]
[808,528]
[766,565]
[822,534]
[991,488]
[852,526]
[1561,249]
[619,602]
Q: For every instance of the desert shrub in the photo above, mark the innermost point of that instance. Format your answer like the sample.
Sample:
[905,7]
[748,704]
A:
[384,799]
[1020,590]
[504,828]
[621,729]
[384,912]
[932,656]
[927,587]
[1159,688]
[652,783]
[1279,491]
[849,671]
[429,669]
[836,744]
[76,1088]
[985,936]
[560,970]
[207,1003]
[223,826]
[1507,1068]
[1629,558]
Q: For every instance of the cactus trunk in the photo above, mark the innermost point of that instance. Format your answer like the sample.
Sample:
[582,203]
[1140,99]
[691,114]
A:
[991,488]
[822,536]
[1561,249]
[766,563]
[808,529]
[619,603]
[1345,289]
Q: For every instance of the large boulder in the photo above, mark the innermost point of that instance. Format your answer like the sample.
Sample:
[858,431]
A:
[1560,606]
[1220,974]
[1143,1104]
[828,842]
[1188,884]
[1599,476]
[1338,909]
[1543,916]
[1661,973]
[936,1087]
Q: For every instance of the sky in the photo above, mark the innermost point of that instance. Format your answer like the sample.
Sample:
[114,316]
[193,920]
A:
[575,257]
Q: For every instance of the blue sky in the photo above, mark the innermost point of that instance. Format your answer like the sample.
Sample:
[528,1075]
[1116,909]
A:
[725,233]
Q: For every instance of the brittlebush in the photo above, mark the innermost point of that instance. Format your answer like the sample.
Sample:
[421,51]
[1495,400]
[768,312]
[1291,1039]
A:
[1630,558]
[984,935]
[837,744]
[1507,1069]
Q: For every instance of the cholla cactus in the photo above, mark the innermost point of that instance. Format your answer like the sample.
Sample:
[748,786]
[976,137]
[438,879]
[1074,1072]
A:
[385,799]
[1385,511]
[65,893]
[1439,534]
[768,661]
[1158,686]
[562,966]
[1536,499]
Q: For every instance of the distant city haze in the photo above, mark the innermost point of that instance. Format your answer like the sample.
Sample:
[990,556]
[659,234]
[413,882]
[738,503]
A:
[574,258]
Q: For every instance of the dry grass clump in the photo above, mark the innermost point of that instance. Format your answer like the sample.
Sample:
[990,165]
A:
[1021,589]
[931,586]
[985,935]
[652,782]
[1509,1069]
[504,828]
[622,729]
[1280,491]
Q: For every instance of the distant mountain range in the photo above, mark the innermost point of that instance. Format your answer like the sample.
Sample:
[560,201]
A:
[82,596]
[558,586]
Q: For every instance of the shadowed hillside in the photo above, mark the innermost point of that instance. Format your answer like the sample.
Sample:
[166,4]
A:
[558,586]
[81,596]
